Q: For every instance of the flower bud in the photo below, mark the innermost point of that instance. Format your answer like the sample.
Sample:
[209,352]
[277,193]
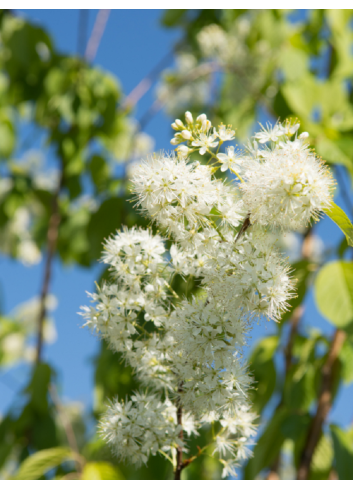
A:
[183,150]
[188,118]
[179,123]
[201,118]
[177,139]
[304,135]
[186,134]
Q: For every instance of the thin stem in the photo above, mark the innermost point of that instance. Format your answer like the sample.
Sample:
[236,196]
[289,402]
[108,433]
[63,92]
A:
[216,229]
[237,175]
[179,467]
[323,407]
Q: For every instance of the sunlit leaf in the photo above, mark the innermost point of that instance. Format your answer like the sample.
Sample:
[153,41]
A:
[340,218]
[101,471]
[41,462]
[334,292]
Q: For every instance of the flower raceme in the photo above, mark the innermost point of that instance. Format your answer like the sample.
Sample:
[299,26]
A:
[188,351]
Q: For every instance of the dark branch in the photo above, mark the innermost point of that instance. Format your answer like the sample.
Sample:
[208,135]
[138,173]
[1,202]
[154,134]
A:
[323,407]
[52,237]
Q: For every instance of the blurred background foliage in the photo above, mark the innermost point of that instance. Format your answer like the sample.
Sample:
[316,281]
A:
[240,67]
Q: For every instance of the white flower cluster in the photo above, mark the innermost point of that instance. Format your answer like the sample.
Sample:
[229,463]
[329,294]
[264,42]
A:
[140,427]
[189,351]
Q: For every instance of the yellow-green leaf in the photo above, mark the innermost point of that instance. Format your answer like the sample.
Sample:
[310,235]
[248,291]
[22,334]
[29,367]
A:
[41,462]
[334,292]
[101,471]
[340,218]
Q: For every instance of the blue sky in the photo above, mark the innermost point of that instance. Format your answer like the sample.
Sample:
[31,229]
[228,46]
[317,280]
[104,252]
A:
[132,44]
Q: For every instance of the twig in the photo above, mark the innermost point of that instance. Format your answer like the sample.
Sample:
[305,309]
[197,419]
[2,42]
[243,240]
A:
[195,73]
[323,406]
[97,33]
[179,466]
[52,237]
[144,85]
[243,228]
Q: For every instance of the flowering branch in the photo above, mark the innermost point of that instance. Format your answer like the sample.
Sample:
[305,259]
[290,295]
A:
[194,353]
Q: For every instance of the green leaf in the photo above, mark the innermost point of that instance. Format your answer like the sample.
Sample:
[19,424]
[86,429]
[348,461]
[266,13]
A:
[340,218]
[38,387]
[173,16]
[103,223]
[334,293]
[264,371]
[346,358]
[100,172]
[336,151]
[268,446]
[41,462]
[321,463]
[101,471]
[301,274]
[343,449]
[299,390]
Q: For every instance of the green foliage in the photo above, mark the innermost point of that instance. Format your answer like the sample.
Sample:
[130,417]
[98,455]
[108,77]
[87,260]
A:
[264,371]
[268,445]
[343,448]
[322,460]
[334,292]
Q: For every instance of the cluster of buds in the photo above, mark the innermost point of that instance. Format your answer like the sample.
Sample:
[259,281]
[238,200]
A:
[189,132]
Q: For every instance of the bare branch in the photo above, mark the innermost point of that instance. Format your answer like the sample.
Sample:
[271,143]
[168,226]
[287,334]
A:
[97,33]
[144,85]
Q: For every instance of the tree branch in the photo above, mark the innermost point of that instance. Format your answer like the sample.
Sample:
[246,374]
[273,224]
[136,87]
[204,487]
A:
[97,33]
[323,407]
[52,237]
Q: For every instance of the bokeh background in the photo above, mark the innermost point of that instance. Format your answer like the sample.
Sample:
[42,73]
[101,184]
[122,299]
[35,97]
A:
[266,64]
